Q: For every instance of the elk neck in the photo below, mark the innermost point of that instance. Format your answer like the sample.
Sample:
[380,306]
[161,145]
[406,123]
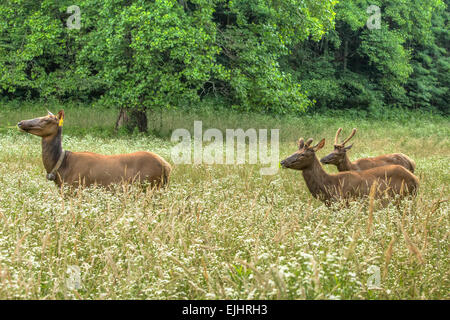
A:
[317,180]
[345,165]
[51,150]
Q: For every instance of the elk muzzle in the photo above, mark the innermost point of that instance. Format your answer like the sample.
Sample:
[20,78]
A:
[327,159]
[27,125]
[289,162]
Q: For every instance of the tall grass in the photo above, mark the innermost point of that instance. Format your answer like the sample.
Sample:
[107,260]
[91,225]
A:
[218,231]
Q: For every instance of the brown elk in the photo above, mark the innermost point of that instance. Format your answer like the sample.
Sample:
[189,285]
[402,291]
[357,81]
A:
[340,158]
[87,168]
[390,180]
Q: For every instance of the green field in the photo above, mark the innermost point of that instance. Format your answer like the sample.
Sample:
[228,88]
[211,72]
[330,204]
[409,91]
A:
[222,231]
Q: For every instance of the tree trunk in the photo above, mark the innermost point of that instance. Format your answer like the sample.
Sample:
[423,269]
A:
[139,119]
[122,119]
[132,118]
[345,53]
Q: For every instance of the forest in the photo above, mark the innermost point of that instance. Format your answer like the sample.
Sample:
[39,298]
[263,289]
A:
[271,57]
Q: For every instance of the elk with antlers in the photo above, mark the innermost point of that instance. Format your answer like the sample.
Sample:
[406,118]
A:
[389,180]
[86,168]
[340,159]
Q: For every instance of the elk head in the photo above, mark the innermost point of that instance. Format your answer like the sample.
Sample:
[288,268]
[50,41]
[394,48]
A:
[43,126]
[304,157]
[340,150]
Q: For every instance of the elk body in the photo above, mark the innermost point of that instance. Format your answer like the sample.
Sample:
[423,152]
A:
[87,168]
[340,158]
[389,180]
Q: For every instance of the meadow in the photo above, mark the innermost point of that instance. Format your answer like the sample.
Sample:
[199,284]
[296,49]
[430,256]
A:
[222,231]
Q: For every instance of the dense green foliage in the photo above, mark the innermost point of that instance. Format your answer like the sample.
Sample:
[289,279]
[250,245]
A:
[405,63]
[258,55]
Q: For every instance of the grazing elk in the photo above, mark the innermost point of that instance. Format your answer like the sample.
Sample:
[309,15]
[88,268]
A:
[88,168]
[340,158]
[390,180]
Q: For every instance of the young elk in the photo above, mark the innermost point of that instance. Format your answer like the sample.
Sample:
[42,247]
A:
[390,180]
[340,158]
[89,168]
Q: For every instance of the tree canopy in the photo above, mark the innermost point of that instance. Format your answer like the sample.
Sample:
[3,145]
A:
[267,56]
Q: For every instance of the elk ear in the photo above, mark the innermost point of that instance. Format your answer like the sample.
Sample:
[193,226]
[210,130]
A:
[61,117]
[348,147]
[320,145]
[301,143]
[49,113]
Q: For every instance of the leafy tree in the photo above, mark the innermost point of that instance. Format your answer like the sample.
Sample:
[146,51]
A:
[31,48]
[151,54]
[354,67]
[139,55]
[253,36]
[262,55]
[429,84]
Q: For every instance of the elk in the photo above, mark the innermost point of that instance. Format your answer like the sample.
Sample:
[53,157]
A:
[340,159]
[388,180]
[87,168]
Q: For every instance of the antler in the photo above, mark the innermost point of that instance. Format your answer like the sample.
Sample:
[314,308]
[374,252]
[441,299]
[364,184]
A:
[308,142]
[351,136]
[337,135]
